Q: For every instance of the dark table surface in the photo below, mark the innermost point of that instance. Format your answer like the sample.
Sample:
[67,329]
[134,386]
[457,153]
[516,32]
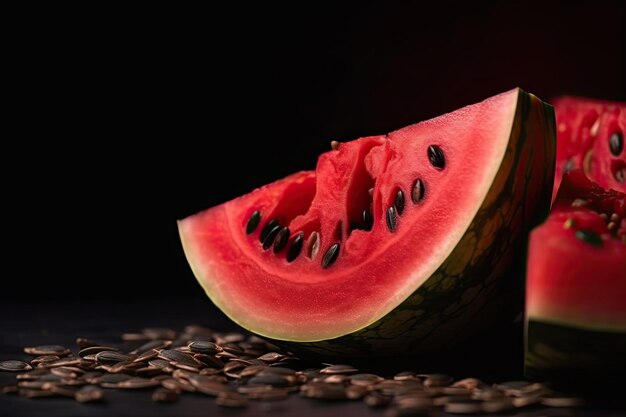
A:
[31,322]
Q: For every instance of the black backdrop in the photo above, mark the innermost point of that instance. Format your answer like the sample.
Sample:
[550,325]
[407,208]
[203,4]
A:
[120,119]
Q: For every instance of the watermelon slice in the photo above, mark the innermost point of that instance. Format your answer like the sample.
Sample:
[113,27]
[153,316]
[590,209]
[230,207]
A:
[591,137]
[394,242]
[576,285]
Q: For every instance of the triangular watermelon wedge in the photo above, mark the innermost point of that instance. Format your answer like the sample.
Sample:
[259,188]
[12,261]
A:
[395,241]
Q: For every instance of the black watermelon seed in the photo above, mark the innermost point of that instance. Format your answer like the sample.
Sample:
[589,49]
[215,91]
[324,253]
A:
[569,165]
[330,256]
[266,230]
[590,237]
[435,155]
[399,202]
[368,220]
[296,247]
[417,192]
[616,143]
[253,222]
[281,239]
[391,218]
[269,239]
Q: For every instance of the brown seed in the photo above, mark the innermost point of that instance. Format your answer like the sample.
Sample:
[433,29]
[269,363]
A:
[463,406]
[83,343]
[313,245]
[164,395]
[109,357]
[44,359]
[60,390]
[147,356]
[333,379]
[89,393]
[152,345]
[271,357]
[209,387]
[14,366]
[177,356]
[94,350]
[418,402]
[498,405]
[231,399]
[365,379]
[269,379]
[47,350]
[323,391]
[399,202]
[376,399]
[138,383]
[209,360]
[334,145]
[67,361]
[159,333]
[330,256]
[271,394]
[339,369]
[67,372]
[406,375]
[355,392]
[557,400]
[468,383]
[34,393]
[417,191]
[205,347]
[438,380]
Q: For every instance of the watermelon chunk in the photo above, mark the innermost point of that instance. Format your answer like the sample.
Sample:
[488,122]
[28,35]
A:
[394,242]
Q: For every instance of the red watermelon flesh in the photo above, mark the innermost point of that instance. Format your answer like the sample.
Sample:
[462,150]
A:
[590,136]
[336,255]
[577,258]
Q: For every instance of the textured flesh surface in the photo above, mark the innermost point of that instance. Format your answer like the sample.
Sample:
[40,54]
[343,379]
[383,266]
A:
[584,128]
[475,209]
[571,281]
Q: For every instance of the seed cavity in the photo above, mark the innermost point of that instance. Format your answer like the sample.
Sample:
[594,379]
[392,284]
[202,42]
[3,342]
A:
[253,222]
[281,239]
[296,247]
[330,256]
[616,143]
[436,157]
[391,218]
[399,202]
[417,192]
[589,237]
[269,239]
[313,245]
[368,220]
[267,229]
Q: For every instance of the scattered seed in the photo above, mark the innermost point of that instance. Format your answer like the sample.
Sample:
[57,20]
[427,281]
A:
[231,399]
[436,157]
[323,391]
[267,229]
[93,350]
[272,357]
[399,202]
[438,380]
[151,345]
[334,145]
[365,379]
[463,406]
[391,219]
[47,350]
[616,143]
[89,393]
[355,392]
[338,369]
[498,405]
[44,359]
[589,237]
[110,357]
[200,346]
[14,366]
[177,356]
[557,400]
[164,395]
[138,383]
[296,247]
[281,239]
[468,383]
[253,222]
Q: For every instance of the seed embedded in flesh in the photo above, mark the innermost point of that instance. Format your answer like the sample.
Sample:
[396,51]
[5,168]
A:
[368,220]
[253,222]
[436,157]
[620,175]
[281,239]
[296,247]
[616,143]
[589,237]
[391,219]
[267,229]
[399,202]
[313,245]
[330,256]
[271,236]
[417,192]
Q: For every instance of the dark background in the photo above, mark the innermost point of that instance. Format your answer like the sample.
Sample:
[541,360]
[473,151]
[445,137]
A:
[122,121]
